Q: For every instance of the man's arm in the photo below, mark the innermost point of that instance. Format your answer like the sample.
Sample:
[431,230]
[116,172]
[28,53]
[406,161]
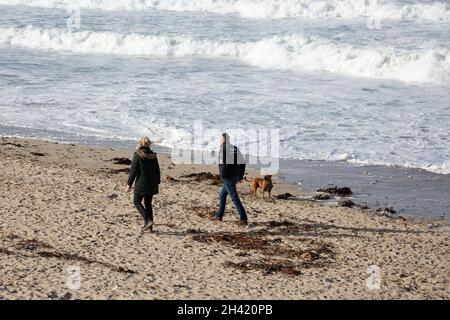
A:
[222,161]
[241,163]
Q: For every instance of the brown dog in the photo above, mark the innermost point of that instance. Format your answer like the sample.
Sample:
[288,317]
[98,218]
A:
[265,184]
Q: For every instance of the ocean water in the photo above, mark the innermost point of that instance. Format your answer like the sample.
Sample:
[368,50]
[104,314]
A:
[358,81]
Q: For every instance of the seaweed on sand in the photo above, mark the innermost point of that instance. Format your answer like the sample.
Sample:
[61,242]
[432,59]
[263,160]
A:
[319,255]
[202,212]
[31,244]
[238,240]
[284,196]
[117,171]
[204,176]
[171,179]
[38,154]
[340,191]
[18,145]
[38,248]
[275,224]
[75,257]
[122,161]
[267,266]
[284,227]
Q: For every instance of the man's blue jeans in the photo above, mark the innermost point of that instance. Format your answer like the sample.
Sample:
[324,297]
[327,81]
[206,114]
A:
[229,188]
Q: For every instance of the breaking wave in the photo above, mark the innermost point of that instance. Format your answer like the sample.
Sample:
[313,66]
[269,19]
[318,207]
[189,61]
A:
[290,52]
[272,9]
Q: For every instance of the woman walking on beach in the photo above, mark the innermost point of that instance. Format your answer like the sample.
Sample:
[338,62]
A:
[146,176]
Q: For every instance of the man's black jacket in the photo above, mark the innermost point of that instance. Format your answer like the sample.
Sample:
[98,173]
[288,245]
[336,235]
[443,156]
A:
[231,162]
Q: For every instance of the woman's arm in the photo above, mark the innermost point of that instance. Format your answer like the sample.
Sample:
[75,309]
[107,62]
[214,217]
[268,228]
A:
[134,171]
[158,171]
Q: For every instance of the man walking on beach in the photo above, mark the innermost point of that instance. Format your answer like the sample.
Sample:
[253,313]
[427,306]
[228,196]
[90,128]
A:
[232,169]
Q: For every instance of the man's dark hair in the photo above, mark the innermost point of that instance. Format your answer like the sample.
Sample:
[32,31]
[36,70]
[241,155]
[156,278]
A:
[226,137]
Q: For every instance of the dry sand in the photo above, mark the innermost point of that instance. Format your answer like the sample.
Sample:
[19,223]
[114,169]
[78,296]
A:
[63,205]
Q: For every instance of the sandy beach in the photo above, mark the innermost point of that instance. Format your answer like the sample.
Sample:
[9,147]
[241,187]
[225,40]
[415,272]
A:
[65,206]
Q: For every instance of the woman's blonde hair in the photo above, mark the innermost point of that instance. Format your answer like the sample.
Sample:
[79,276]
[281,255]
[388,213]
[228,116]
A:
[144,142]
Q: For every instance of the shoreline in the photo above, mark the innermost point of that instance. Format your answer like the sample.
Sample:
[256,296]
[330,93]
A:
[65,205]
[68,138]
[126,150]
[293,174]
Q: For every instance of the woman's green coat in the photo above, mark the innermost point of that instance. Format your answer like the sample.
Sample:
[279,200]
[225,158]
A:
[145,172]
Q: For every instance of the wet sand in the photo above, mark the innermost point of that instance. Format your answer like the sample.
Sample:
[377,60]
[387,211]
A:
[65,205]
[409,191]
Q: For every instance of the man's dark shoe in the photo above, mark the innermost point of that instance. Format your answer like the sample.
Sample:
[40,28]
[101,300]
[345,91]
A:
[243,222]
[215,218]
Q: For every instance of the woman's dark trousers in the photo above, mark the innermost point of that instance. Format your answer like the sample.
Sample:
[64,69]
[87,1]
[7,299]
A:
[145,210]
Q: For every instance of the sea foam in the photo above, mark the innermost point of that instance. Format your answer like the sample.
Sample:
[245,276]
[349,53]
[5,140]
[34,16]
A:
[261,9]
[290,52]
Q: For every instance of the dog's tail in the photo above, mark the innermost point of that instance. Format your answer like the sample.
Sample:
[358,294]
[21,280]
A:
[245,178]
